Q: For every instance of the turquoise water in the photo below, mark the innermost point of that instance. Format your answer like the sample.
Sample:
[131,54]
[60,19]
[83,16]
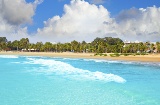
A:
[26,80]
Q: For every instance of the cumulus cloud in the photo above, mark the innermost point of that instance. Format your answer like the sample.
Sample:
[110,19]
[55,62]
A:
[80,21]
[17,12]
[142,24]
[14,33]
[14,14]
[84,21]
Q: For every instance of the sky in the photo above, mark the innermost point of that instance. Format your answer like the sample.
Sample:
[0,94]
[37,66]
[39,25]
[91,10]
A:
[68,20]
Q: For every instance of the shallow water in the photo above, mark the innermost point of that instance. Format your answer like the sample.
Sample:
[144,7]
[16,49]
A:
[26,80]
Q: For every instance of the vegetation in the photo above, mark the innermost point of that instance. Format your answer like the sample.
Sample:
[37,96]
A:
[99,46]
[100,54]
[115,55]
[158,46]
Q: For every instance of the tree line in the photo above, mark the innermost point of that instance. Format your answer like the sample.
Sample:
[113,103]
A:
[98,45]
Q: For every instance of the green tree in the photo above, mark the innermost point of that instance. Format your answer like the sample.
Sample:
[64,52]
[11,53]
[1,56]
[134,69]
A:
[3,46]
[3,43]
[39,46]
[24,43]
[48,46]
[9,45]
[74,46]
[3,39]
[16,45]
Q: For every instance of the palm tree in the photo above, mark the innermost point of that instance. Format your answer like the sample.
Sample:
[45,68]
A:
[9,45]
[158,46]
[47,46]
[74,46]
[24,43]
[39,46]
[16,44]
[3,46]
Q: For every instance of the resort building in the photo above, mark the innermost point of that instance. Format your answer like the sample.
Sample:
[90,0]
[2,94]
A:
[126,43]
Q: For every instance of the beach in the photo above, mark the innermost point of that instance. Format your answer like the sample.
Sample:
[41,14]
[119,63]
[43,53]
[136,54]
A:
[142,58]
[38,78]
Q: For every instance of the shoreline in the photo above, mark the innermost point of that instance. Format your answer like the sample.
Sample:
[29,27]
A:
[140,58]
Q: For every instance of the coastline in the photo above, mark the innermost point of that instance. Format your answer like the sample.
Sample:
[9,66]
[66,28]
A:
[141,58]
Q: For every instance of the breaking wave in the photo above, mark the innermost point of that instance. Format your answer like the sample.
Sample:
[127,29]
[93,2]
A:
[62,68]
[124,62]
[8,56]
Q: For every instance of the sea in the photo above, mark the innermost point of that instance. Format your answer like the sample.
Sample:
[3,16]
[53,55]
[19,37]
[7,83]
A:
[36,80]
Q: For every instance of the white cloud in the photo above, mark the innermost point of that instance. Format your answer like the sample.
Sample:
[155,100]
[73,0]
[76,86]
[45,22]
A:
[84,21]
[15,33]
[14,14]
[139,24]
[17,12]
[80,21]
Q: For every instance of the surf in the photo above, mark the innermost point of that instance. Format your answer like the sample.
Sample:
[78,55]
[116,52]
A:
[62,68]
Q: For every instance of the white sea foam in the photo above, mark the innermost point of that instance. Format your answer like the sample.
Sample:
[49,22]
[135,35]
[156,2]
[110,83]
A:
[101,60]
[70,59]
[8,56]
[123,62]
[95,60]
[68,70]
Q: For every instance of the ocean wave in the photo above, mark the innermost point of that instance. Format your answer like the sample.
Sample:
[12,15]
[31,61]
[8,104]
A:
[8,56]
[72,59]
[124,62]
[102,61]
[68,70]
[16,62]
[95,60]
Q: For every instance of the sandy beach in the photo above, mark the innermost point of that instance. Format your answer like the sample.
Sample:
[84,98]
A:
[143,58]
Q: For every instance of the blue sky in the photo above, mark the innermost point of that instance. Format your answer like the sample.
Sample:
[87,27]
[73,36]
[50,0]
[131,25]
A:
[50,8]
[65,20]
